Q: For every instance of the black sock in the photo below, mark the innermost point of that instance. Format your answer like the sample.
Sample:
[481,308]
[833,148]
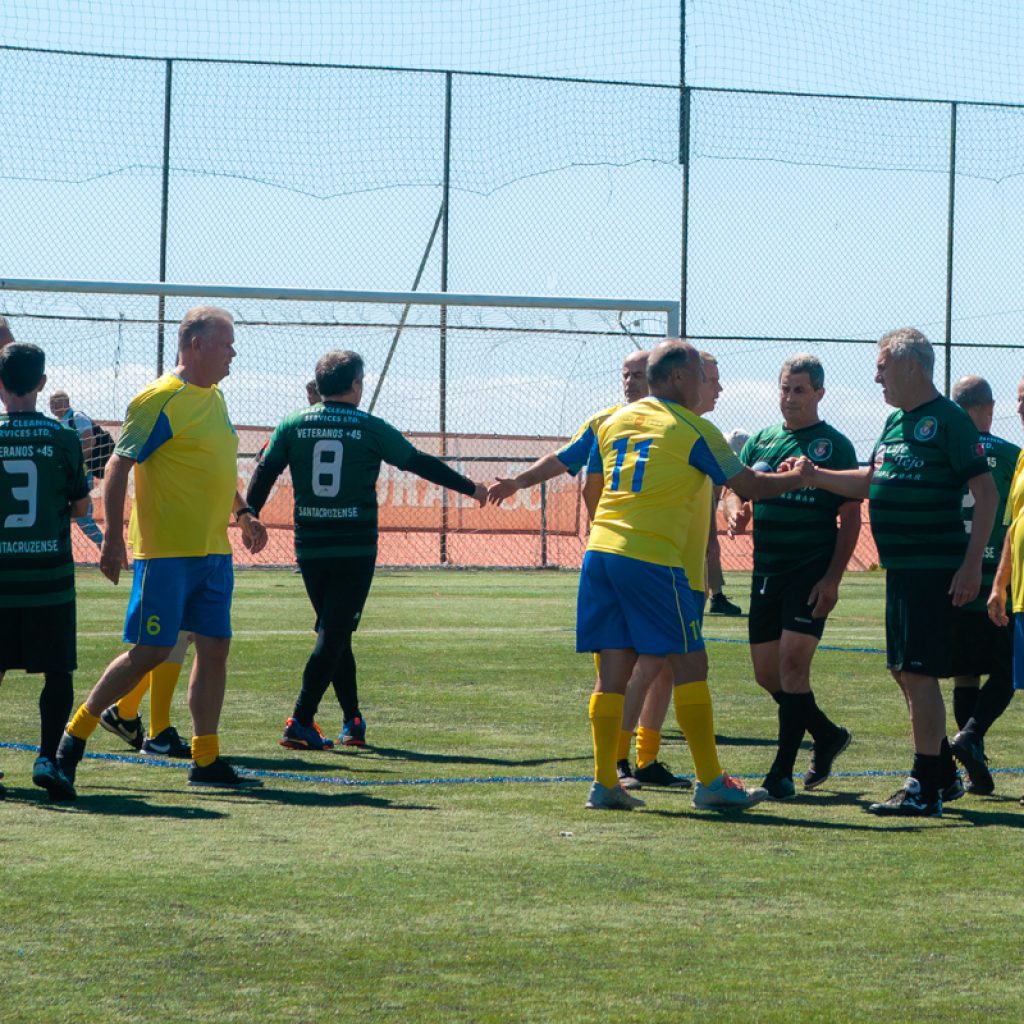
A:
[926,771]
[964,699]
[792,711]
[777,697]
[55,703]
[947,766]
[993,699]
[818,724]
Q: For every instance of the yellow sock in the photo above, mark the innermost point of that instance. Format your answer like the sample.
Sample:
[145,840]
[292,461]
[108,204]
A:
[82,724]
[648,743]
[205,749]
[128,705]
[625,739]
[605,726]
[163,680]
[693,712]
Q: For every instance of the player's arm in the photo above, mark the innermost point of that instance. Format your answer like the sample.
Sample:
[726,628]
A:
[760,486]
[847,483]
[737,512]
[996,603]
[545,468]
[966,580]
[825,593]
[593,488]
[113,556]
[431,468]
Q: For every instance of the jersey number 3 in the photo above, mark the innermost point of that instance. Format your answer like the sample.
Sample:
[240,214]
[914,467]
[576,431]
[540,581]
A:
[27,492]
[641,449]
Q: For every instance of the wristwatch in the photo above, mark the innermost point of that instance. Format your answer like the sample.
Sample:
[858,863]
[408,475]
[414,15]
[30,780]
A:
[245,510]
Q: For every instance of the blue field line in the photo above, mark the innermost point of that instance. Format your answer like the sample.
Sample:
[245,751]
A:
[472,780]
[821,647]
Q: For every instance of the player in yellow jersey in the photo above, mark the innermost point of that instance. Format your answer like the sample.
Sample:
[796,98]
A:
[635,604]
[178,439]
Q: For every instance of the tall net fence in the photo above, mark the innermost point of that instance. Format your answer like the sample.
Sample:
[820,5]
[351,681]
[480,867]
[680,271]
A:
[693,150]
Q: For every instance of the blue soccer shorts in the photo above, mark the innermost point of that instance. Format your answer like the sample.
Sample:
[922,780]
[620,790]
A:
[174,594]
[1017,624]
[627,604]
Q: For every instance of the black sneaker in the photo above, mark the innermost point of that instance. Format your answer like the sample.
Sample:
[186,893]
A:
[908,802]
[48,776]
[969,750]
[70,751]
[657,774]
[167,743]
[953,790]
[220,773]
[627,780]
[721,605]
[823,757]
[779,787]
[128,729]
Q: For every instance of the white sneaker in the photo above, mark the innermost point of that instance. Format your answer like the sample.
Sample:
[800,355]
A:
[603,798]
[726,793]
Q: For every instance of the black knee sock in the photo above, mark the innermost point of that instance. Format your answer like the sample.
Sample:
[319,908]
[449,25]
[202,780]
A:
[316,676]
[792,709]
[964,699]
[993,699]
[947,766]
[777,697]
[926,770]
[818,724]
[55,703]
[344,679]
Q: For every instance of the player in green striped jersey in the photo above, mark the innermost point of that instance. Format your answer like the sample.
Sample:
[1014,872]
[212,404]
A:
[927,453]
[42,485]
[800,556]
[980,646]
[334,451]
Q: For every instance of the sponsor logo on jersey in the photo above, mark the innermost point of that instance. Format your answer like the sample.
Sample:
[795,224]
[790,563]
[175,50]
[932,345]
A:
[880,456]
[820,450]
[926,428]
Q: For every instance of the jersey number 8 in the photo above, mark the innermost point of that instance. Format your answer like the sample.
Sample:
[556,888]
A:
[327,458]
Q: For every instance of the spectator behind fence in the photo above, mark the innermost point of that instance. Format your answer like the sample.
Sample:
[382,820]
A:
[60,406]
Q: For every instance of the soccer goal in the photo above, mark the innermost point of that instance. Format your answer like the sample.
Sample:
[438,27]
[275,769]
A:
[486,382]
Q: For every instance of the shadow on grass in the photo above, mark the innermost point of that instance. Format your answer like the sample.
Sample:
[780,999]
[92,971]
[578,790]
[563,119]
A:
[419,756]
[324,801]
[123,804]
[762,817]
[320,763]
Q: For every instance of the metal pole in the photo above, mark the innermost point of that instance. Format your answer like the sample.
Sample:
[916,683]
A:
[443,322]
[165,192]
[544,524]
[405,310]
[684,162]
[950,229]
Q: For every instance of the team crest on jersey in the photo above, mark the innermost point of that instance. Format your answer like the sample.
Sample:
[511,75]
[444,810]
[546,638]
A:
[926,428]
[820,449]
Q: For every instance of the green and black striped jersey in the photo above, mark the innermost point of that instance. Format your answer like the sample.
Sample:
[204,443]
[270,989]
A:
[1001,457]
[797,528]
[922,462]
[41,473]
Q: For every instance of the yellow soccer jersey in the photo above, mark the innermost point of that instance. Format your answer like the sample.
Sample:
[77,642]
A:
[1012,515]
[186,472]
[658,461]
[576,453]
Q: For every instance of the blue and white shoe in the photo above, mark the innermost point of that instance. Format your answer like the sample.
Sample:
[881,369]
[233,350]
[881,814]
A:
[46,775]
[353,732]
[615,798]
[726,793]
[304,737]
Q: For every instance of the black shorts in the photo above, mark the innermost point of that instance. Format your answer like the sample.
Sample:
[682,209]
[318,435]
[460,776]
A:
[39,639]
[337,589]
[980,647]
[780,602]
[919,621]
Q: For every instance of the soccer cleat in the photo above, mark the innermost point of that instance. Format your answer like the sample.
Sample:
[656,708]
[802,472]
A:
[726,793]
[353,732]
[70,751]
[721,605]
[909,803]
[779,787]
[167,743]
[304,737]
[219,773]
[46,775]
[626,778]
[823,757]
[954,789]
[969,750]
[128,729]
[656,774]
[603,798]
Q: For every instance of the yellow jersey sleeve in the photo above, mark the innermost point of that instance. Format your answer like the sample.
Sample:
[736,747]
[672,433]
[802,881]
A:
[1012,517]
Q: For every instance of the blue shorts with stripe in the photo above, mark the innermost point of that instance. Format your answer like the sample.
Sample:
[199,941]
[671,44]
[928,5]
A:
[1018,651]
[174,594]
[624,603]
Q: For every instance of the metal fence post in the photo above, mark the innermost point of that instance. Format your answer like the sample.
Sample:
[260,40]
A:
[165,192]
[443,321]
[950,230]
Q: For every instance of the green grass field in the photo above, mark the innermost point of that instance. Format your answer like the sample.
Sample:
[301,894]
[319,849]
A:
[450,873]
